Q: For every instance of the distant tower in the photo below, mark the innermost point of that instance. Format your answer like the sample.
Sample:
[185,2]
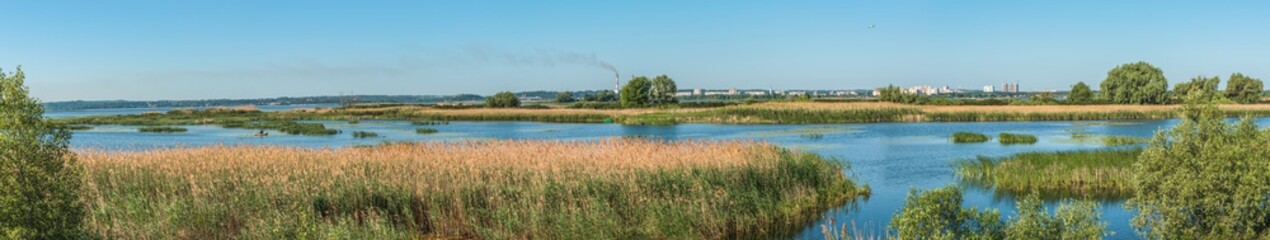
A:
[617,83]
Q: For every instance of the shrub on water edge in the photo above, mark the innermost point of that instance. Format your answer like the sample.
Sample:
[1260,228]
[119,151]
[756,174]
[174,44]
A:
[364,134]
[938,214]
[426,130]
[162,129]
[1010,138]
[969,137]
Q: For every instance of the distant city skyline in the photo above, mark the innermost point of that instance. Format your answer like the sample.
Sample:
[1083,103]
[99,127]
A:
[212,50]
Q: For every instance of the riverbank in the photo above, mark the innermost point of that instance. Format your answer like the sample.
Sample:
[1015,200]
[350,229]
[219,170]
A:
[487,189]
[757,113]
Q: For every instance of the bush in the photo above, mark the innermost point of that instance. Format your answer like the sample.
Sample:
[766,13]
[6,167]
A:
[1009,138]
[1204,179]
[969,137]
[937,214]
[162,129]
[40,179]
[502,100]
[363,134]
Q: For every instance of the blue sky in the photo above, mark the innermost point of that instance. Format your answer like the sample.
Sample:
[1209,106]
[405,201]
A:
[146,50]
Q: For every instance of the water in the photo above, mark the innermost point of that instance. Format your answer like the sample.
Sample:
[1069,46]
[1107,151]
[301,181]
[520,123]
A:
[890,157]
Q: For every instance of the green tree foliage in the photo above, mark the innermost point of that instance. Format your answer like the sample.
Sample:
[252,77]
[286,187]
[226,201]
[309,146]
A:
[1200,89]
[1042,98]
[605,96]
[663,90]
[1204,179]
[1135,83]
[894,94]
[937,214]
[1073,220]
[39,177]
[502,100]
[565,97]
[1243,89]
[636,92]
[1080,94]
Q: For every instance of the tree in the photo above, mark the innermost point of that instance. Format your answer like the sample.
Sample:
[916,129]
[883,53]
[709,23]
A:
[1080,94]
[39,177]
[605,96]
[502,100]
[663,90]
[565,97]
[636,92]
[1135,83]
[894,94]
[1243,89]
[1204,179]
[1199,89]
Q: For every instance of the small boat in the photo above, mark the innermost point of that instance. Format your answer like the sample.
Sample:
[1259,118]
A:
[262,133]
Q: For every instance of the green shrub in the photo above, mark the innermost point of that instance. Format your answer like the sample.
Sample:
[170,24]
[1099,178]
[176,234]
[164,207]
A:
[502,100]
[40,180]
[426,130]
[969,137]
[363,134]
[1204,179]
[938,214]
[1009,138]
[162,129]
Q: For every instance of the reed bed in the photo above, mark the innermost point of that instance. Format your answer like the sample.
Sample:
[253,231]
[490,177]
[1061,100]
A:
[612,188]
[1012,138]
[426,130]
[365,134]
[969,137]
[1096,174]
[162,129]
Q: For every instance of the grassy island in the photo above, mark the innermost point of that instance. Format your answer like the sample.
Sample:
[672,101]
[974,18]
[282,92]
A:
[487,189]
[1100,173]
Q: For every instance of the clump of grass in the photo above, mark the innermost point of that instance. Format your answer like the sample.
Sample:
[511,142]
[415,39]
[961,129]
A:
[812,136]
[1121,140]
[429,122]
[354,121]
[488,189]
[79,127]
[1010,138]
[162,129]
[364,134]
[969,137]
[287,127]
[1101,173]
[426,130]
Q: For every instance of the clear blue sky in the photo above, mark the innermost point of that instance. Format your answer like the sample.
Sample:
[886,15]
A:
[244,49]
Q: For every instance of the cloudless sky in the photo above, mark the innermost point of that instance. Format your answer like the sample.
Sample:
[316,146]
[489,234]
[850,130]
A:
[144,50]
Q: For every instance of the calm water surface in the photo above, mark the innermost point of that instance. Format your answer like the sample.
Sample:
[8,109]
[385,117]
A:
[890,157]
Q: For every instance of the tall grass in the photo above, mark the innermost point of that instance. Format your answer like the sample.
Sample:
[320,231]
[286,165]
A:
[1101,173]
[365,134]
[162,129]
[492,190]
[1011,138]
[969,137]
[426,130]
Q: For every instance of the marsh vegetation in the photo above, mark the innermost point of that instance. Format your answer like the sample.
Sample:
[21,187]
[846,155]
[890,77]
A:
[494,189]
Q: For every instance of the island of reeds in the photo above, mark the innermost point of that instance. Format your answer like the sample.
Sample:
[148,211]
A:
[1015,138]
[476,189]
[1104,174]
[969,137]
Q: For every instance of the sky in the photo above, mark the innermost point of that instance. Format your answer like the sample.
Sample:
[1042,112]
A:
[152,50]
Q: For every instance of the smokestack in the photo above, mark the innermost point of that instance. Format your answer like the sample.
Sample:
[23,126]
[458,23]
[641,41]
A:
[617,83]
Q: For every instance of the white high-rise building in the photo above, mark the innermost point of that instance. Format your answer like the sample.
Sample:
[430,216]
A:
[987,88]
